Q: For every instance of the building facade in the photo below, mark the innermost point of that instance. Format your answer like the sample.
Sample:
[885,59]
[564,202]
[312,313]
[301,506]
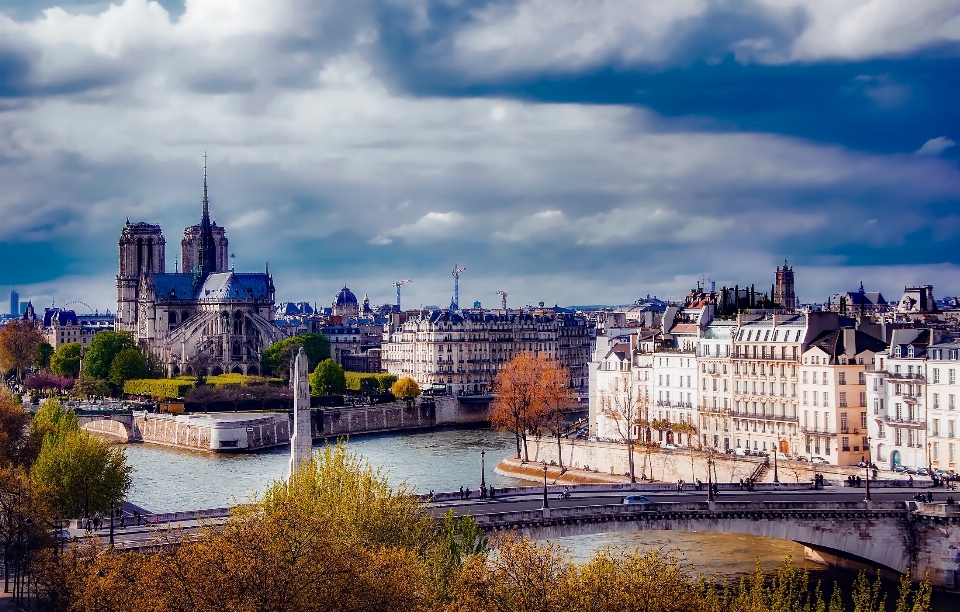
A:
[943,389]
[461,351]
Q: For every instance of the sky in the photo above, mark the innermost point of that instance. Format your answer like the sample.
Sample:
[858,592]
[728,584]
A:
[564,151]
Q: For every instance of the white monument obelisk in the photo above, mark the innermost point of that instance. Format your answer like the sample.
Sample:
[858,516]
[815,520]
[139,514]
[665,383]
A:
[301,440]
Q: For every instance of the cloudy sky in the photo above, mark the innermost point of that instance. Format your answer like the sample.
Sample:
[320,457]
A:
[567,151]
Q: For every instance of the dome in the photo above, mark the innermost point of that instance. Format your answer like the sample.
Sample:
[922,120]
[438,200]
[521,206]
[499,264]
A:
[345,297]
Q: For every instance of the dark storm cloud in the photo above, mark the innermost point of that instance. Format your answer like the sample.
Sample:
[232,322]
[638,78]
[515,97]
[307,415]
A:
[563,151]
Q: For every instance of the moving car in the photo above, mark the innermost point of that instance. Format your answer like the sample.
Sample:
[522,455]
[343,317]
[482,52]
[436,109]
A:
[635,499]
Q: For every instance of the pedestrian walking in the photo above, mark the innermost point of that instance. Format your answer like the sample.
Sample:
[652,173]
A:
[461,492]
[491,491]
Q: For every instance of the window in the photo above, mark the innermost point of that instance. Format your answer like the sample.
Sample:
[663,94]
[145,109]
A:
[936,451]
[804,377]
[898,436]
[936,375]
[814,378]
[815,398]
[950,401]
[841,378]
[843,421]
[805,398]
[863,400]
[880,432]
[935,431]
[826,399]
[843,399]
[862,378]
[950,428]
[952,449]
[846,443]
[936,401]
[863,420]
[952,376]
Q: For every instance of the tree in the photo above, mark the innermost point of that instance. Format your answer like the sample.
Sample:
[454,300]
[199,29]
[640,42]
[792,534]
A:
[406,389]
[44,353]
[277,357]
[327,378]
[558,397]
[127,365]
[77,471]
[13,430]
[104,347]
[521,397]
[626,407]
[66,361]
[19,342]
[45,381]
[86,387]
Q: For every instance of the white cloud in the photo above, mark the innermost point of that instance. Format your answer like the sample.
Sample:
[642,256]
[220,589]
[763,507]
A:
[433,225]
[935,146]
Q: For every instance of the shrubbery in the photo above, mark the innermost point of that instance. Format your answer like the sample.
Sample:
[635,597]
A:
[161,388]
[370,383]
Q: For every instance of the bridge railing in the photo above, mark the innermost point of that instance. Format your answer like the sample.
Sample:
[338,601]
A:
[646,487]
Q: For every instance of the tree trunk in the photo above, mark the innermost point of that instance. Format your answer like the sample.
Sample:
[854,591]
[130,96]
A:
[526,452]
[633,476]
[559,449]
[517,436]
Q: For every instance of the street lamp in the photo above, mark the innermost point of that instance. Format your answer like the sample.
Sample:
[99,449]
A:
[710,476]
[867,468]
[545,505]
[776,451]
[483,479]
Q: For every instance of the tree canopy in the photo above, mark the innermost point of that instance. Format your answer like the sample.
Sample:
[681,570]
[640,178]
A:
[66,361]
[406,389]
[104,348]
[44,353]
[19,342]
[277,356]
[328,377]
[76,470]
[127,365]
[528,388]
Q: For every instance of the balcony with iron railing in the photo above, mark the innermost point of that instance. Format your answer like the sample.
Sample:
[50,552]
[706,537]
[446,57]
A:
[907,376]
[822,431]
[901,422]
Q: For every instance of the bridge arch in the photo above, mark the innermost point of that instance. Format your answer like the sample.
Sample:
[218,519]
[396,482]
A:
[846,530]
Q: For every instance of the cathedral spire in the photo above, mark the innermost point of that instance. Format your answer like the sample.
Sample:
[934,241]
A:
[207,263]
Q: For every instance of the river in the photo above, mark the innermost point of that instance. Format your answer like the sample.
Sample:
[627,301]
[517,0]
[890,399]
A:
[166,480]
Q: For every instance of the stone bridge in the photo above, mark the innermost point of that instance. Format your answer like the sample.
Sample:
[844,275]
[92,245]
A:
[924,538]
[119,426]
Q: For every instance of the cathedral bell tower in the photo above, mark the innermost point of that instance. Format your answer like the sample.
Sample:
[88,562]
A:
[142,255]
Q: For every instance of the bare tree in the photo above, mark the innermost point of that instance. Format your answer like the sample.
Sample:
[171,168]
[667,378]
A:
[558,396]
[627,408]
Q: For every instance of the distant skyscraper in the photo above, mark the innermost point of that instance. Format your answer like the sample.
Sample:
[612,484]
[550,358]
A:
[14,303]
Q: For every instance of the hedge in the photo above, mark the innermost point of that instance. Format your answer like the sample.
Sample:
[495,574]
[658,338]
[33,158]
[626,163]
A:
[357,381]
[226,380]
[168,388]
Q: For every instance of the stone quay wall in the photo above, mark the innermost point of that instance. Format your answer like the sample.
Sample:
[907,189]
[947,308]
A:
[115,429]
[214,432]
[380,418]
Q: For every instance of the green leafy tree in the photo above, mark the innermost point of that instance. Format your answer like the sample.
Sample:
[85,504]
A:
[77,472]
[44,353]
[277,357]
[86,387]
[328,377]
[104,348]
[406,389]
[66,361]
[127,365]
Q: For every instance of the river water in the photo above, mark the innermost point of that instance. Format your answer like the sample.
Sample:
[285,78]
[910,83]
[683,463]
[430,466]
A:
[166,480]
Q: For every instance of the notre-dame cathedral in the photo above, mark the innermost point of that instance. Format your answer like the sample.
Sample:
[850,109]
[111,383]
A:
[206,319]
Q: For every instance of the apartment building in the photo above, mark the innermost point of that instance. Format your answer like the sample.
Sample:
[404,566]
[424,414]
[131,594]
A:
[833,394]
[943,390]
[461,351]
[714,354]
[896,397]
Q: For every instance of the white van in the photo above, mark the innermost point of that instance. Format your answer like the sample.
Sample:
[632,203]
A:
[818,459]
[741,452]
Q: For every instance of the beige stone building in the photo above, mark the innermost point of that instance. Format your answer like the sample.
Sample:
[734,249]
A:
[461,351]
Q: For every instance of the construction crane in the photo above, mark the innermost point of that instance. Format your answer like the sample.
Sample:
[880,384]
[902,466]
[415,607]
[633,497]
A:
[399,284]
[503,296]
[456,284]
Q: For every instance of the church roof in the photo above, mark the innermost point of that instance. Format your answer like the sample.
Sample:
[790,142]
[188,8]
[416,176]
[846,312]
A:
[218,286]
[346,297]
[234,286]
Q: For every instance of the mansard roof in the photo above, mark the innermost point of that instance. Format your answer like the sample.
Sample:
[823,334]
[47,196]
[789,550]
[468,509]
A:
[842,342]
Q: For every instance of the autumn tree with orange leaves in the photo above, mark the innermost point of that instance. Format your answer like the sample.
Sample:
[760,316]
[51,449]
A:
[530,390]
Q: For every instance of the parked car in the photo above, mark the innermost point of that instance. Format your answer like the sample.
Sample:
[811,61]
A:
[635,499]
[912,471]
[922,472]
[802,458]
[819,459]
[899,469]
[782,457]
[670,447]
